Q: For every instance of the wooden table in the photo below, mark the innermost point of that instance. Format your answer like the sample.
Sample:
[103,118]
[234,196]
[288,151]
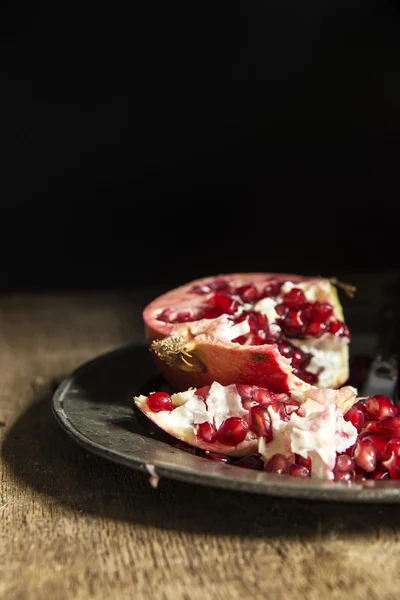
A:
[73,525]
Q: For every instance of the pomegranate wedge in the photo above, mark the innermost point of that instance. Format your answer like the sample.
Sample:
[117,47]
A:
[240,420]
[252,328]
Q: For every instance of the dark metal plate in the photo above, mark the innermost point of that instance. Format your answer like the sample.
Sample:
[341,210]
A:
[94,406]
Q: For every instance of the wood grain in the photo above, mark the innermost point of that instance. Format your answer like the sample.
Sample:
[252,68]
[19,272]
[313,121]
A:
[75,526]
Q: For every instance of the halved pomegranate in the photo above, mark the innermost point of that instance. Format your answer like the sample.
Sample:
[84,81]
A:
[305,427]
[266,329]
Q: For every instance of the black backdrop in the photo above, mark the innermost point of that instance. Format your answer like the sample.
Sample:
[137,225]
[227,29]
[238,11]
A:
[155,142]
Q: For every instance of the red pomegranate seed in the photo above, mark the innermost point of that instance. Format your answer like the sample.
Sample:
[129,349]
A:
[260,422]
[224,303]
[391,449]
[217,457]
[278,463]
[379,441]
[272,288]
[206,432]
[316,328]
[250,462]
[247,293]
[391,458]
[306,376]
[281,310]
[343,475]
[365,455]
[379,473]
[158,401]
[169,315]
[293,324]
[378,407]
[232,431]
[344,463]
[356,415]
[321,311]
[299,470]
[338,328]
[263,396]
[304,462]
[295,298]
[389,427]
[245,391]
[285,349]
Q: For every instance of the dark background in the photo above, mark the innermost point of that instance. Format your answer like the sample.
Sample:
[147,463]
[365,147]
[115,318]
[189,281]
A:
[153,142]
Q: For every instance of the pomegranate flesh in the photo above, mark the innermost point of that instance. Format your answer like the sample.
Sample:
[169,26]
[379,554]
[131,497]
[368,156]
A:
[265,329]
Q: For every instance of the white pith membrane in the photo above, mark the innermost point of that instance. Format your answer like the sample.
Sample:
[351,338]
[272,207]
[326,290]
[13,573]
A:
[317,430]
[329,352]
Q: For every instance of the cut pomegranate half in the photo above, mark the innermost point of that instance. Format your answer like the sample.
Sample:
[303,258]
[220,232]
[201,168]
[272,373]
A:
[272,330]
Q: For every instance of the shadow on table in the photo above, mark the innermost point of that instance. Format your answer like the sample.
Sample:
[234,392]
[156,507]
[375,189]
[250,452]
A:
[40,454]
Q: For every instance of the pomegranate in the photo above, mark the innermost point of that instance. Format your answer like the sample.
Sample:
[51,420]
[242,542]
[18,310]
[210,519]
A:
[270,330]
[305,428]
[303,433]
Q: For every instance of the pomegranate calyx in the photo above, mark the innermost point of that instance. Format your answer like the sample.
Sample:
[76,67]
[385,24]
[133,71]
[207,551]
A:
[178,353]
[348,288]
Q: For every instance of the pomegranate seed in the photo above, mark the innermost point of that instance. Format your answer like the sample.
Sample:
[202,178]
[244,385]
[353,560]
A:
[343,475]
[232,431]
[297,358]
[391,449]
[285,349]
[365,455]
[272,288]
[250,462]
[247,293]
[379,441]
[321,311]
[389,427]
[295,298]
[218,285]
[391,458]
[304,462]
[338,328]
[158,401]
[206,432]
[278,463]
[281,310]
[217,457]
[344,463]
[379,473]
[356,415]
[378,407]
[394,467]
[299,471]
[316,328]
[293,324]
[263,396]
[245,391]
[224,303]
[306,376]
[169,315]
[260,422]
